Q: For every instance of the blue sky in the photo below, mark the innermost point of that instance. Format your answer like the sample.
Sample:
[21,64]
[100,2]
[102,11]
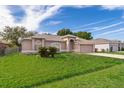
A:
[101,21]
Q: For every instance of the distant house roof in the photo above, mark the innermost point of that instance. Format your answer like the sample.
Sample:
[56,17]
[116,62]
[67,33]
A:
[104,41]
[4,41]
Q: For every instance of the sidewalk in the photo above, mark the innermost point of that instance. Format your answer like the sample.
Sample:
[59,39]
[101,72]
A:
[107,55]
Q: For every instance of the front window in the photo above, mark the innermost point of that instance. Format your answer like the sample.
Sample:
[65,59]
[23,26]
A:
[38,44]
[56,44]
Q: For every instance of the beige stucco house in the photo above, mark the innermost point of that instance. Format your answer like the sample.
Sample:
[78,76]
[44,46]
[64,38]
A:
[66,43]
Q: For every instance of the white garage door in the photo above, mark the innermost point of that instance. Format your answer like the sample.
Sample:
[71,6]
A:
[86,48]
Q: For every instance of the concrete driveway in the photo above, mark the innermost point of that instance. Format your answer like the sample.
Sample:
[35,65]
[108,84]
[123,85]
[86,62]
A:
[107,55]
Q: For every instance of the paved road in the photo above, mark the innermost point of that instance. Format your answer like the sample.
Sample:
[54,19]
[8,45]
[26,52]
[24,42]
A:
[107,55]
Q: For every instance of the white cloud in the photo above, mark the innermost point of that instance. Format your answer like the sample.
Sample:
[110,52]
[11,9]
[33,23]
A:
[112,7]
[37,14]
[106,27]
[93,23]
[5,17]
[34,16]
[54,22]
[110,32]
[79,6]
[55,33]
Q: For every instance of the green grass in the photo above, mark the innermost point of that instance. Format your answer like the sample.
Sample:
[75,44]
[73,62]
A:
[19,70]
[108,78]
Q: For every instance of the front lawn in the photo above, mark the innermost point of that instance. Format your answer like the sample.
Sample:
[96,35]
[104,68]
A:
[108,78]
[19,70]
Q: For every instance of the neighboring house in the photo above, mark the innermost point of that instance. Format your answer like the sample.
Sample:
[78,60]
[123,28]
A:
[63,43]
[3,44]
[107,45]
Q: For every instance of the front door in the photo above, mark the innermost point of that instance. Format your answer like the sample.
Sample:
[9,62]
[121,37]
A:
[71,45]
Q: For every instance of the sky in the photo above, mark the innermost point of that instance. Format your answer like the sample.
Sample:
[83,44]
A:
[103,21]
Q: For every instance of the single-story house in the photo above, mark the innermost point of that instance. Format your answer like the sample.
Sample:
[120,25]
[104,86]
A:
[4,44]
[107,45]
[63,43]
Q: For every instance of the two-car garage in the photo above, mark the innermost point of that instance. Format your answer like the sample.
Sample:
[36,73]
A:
[86,48]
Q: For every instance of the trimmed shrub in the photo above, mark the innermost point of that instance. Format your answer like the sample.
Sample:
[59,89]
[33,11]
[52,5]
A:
[52,51]
[46,52]
[43,51]
[122,49]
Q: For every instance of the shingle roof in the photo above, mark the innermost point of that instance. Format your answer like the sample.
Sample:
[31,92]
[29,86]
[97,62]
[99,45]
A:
[68,36]
[49,37]
[84,41]
[60,38]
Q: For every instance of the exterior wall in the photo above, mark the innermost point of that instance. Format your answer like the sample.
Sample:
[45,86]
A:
[121,45]
[100,47]
[49,43]
[2,45]
[67,43]
[63,46]
[34,44]
[26,45]
[107,47]
[114,46]
[85,48]
[76,47]
[60,45]
[93,47]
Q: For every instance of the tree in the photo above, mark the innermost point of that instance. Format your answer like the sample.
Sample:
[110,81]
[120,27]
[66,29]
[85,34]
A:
[84,35]
[64,31]
[30,33]
[14,33]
